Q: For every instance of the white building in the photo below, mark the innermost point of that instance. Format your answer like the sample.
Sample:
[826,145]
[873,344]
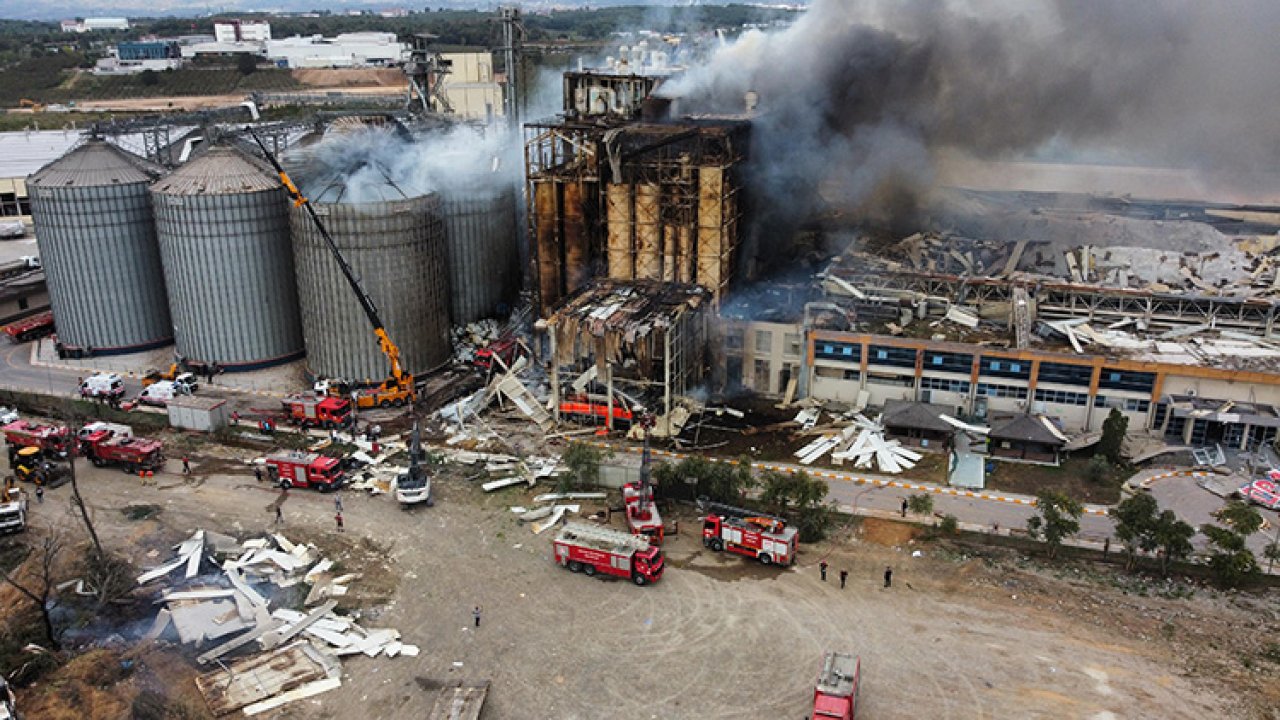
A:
[470,87]
[222,48]
[106,23]
[242,31]
[358,49]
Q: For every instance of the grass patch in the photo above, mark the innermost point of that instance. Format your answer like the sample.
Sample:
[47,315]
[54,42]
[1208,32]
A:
[1071,477]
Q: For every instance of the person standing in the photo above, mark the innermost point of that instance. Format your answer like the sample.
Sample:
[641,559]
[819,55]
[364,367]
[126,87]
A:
[844,575]
[476,615]
[822,568]
[338,518]
[904,507]
[39,492]
[257,473]
[888,576]
[186,465]
[279,515]
[337,504]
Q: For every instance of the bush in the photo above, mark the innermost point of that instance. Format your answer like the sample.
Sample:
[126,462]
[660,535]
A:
[1098,469]
[949,525]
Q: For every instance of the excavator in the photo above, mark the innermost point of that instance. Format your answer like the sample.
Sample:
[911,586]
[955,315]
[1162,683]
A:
[398,389]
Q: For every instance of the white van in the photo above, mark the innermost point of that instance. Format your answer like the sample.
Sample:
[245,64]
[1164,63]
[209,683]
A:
[102,385]
[160,393]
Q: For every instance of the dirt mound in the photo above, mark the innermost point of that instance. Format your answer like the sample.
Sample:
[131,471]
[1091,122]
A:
[887,532]
[352,77]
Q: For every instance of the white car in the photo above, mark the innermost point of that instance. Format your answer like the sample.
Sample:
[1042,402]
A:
[8,415]
[160,393]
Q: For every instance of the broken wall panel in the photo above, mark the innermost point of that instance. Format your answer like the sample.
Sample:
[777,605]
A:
[648,240]
[620,228]
[577,254]
[546,224]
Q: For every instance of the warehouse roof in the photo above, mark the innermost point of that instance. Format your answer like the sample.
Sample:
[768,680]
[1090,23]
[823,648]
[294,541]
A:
[222,170]
[23,152]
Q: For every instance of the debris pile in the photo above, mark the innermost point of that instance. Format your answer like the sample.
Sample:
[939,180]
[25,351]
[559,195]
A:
[467,339]
[547,516]
[862,441]
[298,652]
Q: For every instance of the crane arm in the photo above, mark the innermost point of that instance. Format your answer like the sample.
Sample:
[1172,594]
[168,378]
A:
[389,348]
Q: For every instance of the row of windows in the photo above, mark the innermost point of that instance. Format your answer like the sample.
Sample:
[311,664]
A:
[1063,374]
[1002,391]
[1127,380]
[1063,397]
[892,356]
[955,386]
[1001,367]
[847,352]
[895,380]
[948,362]
[1126,404]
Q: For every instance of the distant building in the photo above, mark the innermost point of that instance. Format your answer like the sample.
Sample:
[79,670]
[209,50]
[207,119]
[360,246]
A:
[360,49]
[91,24]
[148,50]
[72,26]
[128,58]
[223,48]
[234,31]
[470,87]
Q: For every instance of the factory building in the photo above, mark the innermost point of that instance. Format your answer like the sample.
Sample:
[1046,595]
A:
[358,49]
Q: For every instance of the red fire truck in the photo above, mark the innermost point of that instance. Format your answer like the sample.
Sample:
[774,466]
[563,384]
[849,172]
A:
[292,468]
[317,410]
[26,329]
[51,439]
[835,695]
[746,532]
[103,445]
[589,549]
[643,517]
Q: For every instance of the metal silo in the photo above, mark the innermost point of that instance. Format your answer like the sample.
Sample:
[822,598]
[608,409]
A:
[223,226]
[97,239]
[397,249]
[484,259]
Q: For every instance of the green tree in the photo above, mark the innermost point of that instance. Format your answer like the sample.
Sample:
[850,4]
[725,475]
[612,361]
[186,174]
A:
[1097,469]
[1114,429]
[920,504]
[799,497]
[583,462]
[776,489]
[1240,516]
[1173,537]
[1230,560]
[1058,519]
[246,63]
[1272,553]
[1135,519]
[149,77]
[950,525]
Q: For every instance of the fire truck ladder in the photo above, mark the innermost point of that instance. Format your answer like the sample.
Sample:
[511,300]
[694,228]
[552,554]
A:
[604,536]
[737,513]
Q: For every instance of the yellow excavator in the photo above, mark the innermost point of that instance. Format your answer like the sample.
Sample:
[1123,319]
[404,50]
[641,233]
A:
[398,389]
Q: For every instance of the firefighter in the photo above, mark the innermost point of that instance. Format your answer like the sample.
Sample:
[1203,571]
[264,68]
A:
[888,576]
[844,575]
[822,568]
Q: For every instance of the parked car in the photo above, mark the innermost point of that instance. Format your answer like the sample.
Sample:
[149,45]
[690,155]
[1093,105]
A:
[8,415]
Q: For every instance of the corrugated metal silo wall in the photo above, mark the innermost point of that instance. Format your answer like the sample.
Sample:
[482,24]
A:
[398,251]
[484,260]
[102,262]
[228,264]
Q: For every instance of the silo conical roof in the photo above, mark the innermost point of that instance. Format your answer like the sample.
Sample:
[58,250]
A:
[222,170]
[96,163]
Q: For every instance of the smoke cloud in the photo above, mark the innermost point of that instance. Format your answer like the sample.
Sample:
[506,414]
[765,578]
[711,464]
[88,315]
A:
[377,164]
[867,94]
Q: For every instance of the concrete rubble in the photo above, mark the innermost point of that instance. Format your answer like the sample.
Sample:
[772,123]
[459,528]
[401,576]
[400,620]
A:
[226,596]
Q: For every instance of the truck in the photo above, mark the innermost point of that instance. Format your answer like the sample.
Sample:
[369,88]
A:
[30,328]
[173,375]
[315,410]
[589,549]
[746,532]
[835,694]
[108,386]
[296,469]
[32,465]
[104,446]
[52,440]
[160,393]
[643,517]
[13,508]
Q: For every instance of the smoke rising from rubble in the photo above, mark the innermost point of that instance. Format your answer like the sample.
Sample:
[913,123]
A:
[865,95]
[380,164]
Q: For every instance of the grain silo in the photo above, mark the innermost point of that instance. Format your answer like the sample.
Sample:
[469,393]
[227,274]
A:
[484,260]
[94,226]
[397,249]
[223,226]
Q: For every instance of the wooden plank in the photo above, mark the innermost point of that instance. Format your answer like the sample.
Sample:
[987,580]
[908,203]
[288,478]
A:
[259,677]
[298,693]
[462,701]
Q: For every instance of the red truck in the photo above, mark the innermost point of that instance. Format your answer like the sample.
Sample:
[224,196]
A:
[643,517]
[589,549]
[51,439]
[32,328]
[746,532]
[835,695]
[317,410]
[293,468]
[506,349]
[103,445]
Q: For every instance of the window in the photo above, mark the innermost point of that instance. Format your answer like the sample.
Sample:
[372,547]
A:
[838,351]
[762,371]
[1132,405]
[948,362]
[837,373]
[999,367]
[1062,397]
[1002,391]
[1127,380]
[893,356]
[895,380]
[733,340]
[23,303]
[945,384]
[764,342]
[1064,374]
[792,344]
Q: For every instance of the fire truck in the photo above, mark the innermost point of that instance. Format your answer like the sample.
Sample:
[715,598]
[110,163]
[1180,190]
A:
[27,329]
[835,695]
[643,517]
[316,410]
[104,445]
[747,532]
[293,468]
[589,549]
[51,439]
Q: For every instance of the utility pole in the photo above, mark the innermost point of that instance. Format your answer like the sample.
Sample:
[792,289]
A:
[512,37]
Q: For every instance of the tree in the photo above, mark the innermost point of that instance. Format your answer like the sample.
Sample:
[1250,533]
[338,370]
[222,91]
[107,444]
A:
[1097,469]
[697,477]
[950,525]
[1231,559]
[1272,553]
[783,491]
[1135,518]
[246,63]
[583,462]
[149,78]
[39,589]
[1173,537]
[1058,520]
[920,504]
[1114,429]
[1240,516]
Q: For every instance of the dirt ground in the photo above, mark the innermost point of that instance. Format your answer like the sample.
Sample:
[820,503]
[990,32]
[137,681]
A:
[1071,477]
[351,77]
[957,636]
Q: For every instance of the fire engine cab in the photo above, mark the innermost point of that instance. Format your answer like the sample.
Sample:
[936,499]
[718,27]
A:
[835,695]
[305,470]
[746,532]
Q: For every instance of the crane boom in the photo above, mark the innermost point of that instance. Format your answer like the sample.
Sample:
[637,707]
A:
[402,379]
